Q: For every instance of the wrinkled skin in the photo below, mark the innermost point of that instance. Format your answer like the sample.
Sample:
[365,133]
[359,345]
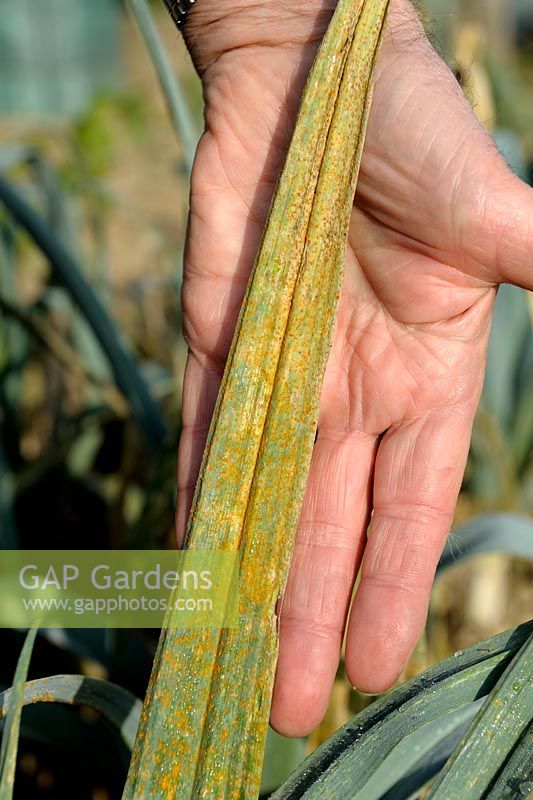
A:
[438,222]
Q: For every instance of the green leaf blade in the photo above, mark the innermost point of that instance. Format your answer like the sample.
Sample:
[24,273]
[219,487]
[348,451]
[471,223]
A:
[494,733]
[517,772]
[9,748]
[118,706]
[345,764]
[511,534]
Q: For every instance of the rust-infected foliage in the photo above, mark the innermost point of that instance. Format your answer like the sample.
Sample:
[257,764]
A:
[205,717]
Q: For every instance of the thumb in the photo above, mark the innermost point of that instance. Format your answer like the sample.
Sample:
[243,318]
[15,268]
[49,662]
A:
[505,226]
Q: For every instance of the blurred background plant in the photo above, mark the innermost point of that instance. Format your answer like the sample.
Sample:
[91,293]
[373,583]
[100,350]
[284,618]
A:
[93,197]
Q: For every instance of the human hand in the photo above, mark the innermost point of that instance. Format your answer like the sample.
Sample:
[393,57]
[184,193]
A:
[438,222]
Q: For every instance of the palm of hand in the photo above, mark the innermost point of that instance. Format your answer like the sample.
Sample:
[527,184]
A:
[406,366]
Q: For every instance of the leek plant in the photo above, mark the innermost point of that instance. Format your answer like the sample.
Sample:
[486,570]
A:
[460,729]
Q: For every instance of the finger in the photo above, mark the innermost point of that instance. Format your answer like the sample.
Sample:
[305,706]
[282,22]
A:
[326,554]
[505,227]
[418,473]
[200,387]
